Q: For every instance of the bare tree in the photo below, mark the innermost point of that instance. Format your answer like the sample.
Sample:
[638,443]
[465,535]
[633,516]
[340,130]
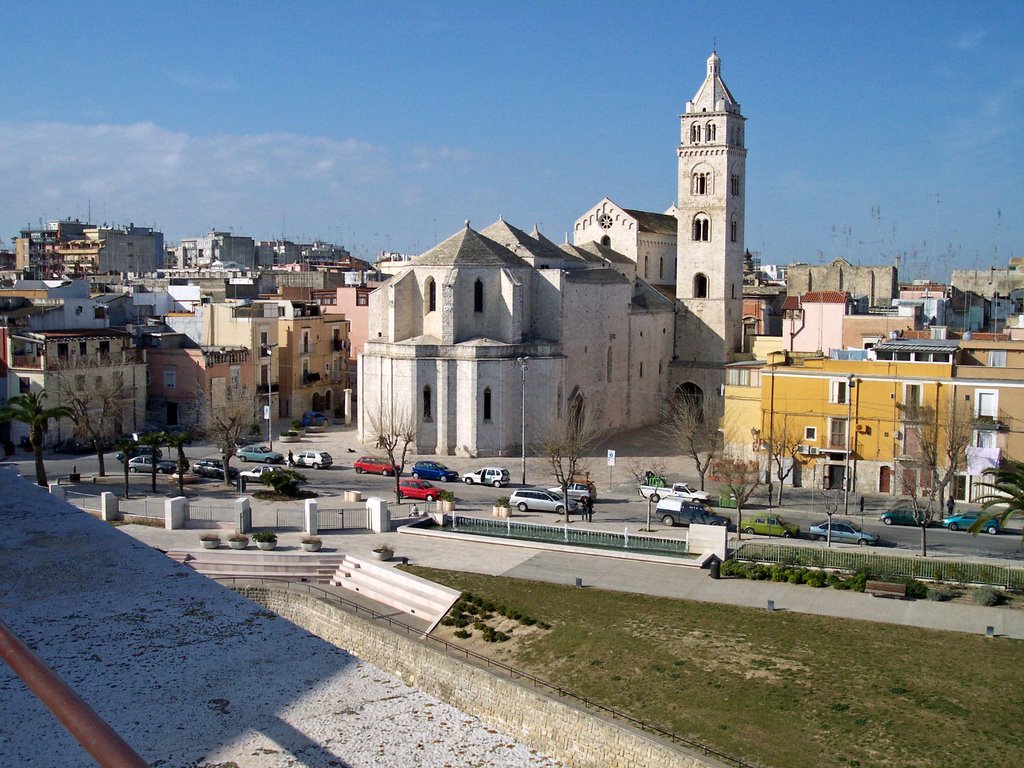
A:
[935,445]
[783,447]
[741,477]
[565,446]
[394,429]
[96,392]
[225,421]
[691,426]
[640,469]
[831,504]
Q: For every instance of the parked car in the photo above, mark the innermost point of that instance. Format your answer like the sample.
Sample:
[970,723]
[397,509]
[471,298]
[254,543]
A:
[261,454]
[842,531]
[139,450]
[145,464]
[576,491]
[375,465]
[525,499]
[314,459]
[770,525]
[257,473]
[213,468]
[77,446]
[965,520]
[678,511]
[496,476]
[899,516]
[412,488]
[313,419]
[434,470]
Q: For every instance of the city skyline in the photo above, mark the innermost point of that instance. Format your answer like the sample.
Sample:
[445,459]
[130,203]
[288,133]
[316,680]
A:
[385,127]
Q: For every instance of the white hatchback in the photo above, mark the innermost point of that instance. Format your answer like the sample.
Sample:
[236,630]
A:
[496,476]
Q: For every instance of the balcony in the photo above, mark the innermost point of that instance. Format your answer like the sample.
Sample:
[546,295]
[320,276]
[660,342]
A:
[27,361]
[998,423]
[262,388]
[338,345]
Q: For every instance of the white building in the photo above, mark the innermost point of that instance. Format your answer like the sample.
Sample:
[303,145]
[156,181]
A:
[642,307]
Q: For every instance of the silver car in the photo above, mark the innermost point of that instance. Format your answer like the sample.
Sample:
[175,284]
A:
[545,501]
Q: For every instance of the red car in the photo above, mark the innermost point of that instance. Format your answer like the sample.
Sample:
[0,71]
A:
[417,489]
[374,465]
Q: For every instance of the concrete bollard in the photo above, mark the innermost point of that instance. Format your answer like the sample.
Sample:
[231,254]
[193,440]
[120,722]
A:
[109,507]
[310,517]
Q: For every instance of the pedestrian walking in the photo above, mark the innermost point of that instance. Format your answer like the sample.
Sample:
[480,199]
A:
[291,459]
[588,508]
[950,504]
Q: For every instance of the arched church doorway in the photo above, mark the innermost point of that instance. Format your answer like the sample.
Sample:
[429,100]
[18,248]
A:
[317,403]
[689,395]
[577,411]
[328,397]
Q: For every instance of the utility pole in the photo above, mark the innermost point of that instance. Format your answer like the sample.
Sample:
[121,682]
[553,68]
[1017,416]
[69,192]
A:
[522,361]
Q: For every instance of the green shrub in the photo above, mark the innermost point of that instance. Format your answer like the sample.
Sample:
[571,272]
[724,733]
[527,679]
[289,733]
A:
[988,596]
[916,590]
[264,536]
[938,594]
[462,634]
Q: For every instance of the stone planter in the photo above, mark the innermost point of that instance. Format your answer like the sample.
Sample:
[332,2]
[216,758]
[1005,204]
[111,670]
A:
[500,511]
[446,507]
[266,545]
[290,438]
[312,546]
[353,495]
[210,543]
[311,428]
[386,554]
[238,544]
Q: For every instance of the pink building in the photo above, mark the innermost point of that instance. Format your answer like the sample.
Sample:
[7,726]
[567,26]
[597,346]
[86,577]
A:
[352,301]
[814,322]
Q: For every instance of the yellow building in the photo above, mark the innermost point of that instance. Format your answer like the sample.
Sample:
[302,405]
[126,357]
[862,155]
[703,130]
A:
[867,418]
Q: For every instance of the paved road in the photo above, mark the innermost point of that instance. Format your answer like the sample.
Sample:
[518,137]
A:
[618,506]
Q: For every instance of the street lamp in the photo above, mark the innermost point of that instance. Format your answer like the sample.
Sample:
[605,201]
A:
[270,396]
[849,443]
[522,361]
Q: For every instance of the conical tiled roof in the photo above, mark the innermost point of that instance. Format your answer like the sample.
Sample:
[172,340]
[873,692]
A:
[713,95]
[517,241]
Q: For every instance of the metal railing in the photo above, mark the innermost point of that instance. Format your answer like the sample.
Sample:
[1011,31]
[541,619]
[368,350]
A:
[341,519]
[209,514]
[78,718]
[85,501]
[489,664]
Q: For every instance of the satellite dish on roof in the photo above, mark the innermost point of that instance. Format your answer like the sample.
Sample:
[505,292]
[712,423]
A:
[893,335]
[968,336]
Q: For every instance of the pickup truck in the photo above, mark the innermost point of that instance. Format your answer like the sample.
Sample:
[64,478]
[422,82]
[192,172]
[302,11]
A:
[677,490]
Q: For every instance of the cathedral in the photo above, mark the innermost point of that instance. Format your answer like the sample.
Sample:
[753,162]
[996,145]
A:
[497,335]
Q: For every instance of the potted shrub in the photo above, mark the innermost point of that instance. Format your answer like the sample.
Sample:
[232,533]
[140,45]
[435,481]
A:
[238,541]
[500,508]
[265,539]
[312,543]
[296,426]
[290,436]
[210,539]
[446,501]
[384,552]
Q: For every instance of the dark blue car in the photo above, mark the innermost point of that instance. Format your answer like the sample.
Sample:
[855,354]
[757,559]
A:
[433,470]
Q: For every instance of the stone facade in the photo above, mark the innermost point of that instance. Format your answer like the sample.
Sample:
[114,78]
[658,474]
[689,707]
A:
[879,283]
[572,735]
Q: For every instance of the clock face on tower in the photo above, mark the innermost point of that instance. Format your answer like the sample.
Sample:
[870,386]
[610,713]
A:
[605,220]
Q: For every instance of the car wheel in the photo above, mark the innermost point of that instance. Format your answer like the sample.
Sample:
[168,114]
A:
[318,465]
[429,497]
[992,530]
[386,473]
[133,469]
[416,475]
[816,537]
[359,470]
[887,520]
[655,498]
[496,483]
[522,506]
[468,480]
[787,535]
[668,520]
[748,531]
[268,460]
[244,458]
[954,527]
[559,509]
[862,542]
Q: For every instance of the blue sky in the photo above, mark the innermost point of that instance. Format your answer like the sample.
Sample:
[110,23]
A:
[873,128]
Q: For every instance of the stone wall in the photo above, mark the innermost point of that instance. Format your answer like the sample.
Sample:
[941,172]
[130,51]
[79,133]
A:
[572,735]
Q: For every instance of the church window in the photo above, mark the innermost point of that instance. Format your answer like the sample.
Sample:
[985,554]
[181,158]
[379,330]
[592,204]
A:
[608,366]
[478,296]
[558,402]
[661,268]
[487,404]
[700,286]
[431,294]
[606,240]
[641,370]
[733,290]
[428,405]
[701,228]
[696,133]
[732,230]
[734,182]
[700,183]
[711,132]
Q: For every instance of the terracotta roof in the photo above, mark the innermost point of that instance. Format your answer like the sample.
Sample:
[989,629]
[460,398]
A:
[791,303]
[825,297]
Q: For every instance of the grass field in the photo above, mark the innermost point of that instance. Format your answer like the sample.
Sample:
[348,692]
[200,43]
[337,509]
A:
[779,689]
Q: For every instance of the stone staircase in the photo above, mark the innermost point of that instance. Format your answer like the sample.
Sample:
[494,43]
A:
[407,593]
[226,563]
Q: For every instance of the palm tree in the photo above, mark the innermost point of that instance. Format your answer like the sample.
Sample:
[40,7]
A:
[30,409]
[178,441]
[126,446]
[1007,493]
[153,440]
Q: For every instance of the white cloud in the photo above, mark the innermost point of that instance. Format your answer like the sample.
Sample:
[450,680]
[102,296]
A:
[185,183]
[970,41]
[198,81]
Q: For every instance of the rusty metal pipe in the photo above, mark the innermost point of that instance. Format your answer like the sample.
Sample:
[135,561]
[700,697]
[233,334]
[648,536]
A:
[101,741]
